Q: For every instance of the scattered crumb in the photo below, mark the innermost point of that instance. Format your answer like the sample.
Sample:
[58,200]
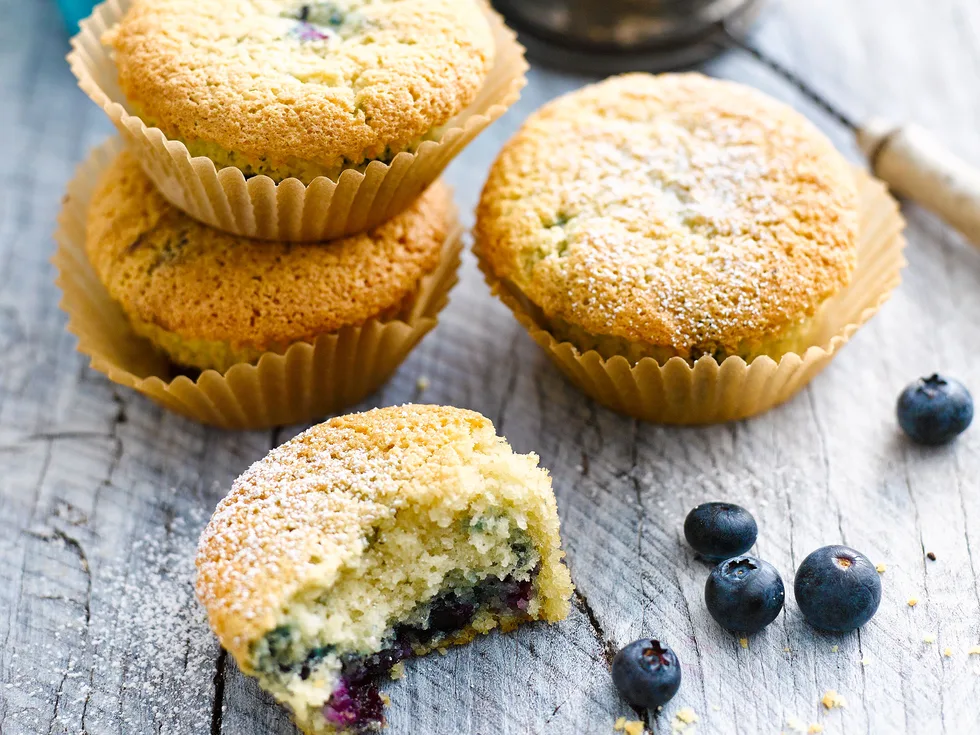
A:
[931,556]
[744,642]
[683,719]
[928,638]
[442,650]
[880,568]
[833,700]
[620,724]
[386,699]
[865,661]
[974,651]
[948,652]
[398,671]
[686,715]
[913,601]
[633,727]
[794,724]
[834,649]
[422,383]
[787,649]
[716,708]
[815,728]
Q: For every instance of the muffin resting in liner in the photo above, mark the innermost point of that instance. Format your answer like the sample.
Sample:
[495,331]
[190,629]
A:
[351,200]
[678,244]
[289,383]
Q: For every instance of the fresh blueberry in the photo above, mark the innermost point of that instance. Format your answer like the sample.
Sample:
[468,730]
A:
[837,588]
[935,410]
[646,673]
[744,594]
[720,531]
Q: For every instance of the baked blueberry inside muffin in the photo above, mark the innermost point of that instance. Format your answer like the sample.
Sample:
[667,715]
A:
[374,538]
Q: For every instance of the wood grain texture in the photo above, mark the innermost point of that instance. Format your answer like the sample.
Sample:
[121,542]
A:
[102,494]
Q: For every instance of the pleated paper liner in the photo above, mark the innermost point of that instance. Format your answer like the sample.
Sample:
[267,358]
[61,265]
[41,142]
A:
[260,208]
[708,392]
[306,382]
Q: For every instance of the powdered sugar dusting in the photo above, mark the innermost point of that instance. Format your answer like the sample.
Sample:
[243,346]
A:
[258,543]
[301,512]
[144,662]
[675,210]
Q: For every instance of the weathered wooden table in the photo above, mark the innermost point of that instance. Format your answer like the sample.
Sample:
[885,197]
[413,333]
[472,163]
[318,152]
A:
[103,494]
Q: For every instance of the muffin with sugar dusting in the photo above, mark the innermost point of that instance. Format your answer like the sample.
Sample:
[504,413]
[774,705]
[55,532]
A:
[669,216]
[370,539]
[301,89]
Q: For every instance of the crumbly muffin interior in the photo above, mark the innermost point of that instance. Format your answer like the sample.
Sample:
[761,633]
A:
[422,583]
[370,539]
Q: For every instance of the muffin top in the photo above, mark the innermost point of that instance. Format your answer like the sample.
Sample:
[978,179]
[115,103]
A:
[331,82]
[674,210]
[295,518]
[167,269]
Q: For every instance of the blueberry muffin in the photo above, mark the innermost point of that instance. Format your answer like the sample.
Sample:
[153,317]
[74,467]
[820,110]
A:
[669,216]
[211,300]
[298,89]
[370,539]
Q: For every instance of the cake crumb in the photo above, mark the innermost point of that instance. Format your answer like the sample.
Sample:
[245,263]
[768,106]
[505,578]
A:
[974,651]
[716,708]
[948,652]
[865,661]
[633,727]
[928,638]
[815,728]
[386,699]
[422,383]
[834,649]
[833,700]
[744,642]
[442,650]
[880,568]
[795,724]
[913,601]
[931,556]
[787,649]
[397,671]
[620,724]
[683,719]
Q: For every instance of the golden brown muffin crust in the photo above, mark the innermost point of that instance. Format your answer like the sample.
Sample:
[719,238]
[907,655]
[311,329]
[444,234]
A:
[299,514]
[673,210]
[234,73]
[167,269]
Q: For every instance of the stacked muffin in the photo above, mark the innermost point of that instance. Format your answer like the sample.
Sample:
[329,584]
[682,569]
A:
[293,122]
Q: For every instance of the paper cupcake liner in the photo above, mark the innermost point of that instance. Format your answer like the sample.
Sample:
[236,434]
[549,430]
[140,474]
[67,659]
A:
[708,392]
[258,207]
[306,382]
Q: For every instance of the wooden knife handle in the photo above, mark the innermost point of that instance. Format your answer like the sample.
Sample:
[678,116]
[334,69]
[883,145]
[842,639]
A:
[917,166]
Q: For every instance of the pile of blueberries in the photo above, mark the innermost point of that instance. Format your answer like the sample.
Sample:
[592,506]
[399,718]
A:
[837,588]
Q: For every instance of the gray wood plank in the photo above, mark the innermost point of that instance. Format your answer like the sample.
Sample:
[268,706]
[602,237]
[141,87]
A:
[102,495]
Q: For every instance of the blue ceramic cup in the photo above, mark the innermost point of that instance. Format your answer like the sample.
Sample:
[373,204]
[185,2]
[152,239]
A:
[74,10]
